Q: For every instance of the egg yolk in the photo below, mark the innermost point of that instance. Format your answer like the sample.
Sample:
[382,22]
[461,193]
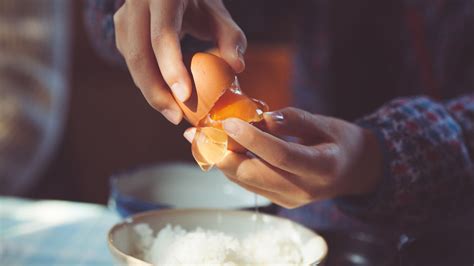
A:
[210,141]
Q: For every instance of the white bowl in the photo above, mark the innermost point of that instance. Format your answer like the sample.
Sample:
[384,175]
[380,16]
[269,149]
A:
[123,240]
[177,185]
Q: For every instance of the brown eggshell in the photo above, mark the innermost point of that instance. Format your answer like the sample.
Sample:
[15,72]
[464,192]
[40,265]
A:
[212,76]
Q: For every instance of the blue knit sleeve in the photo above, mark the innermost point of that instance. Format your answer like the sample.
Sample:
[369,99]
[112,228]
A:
[429,174]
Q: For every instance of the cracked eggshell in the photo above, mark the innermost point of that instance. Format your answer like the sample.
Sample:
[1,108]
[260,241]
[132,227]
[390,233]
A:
[212,76]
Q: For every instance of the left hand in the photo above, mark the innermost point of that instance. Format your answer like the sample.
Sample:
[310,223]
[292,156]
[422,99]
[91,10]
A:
[334,158]
[148,33]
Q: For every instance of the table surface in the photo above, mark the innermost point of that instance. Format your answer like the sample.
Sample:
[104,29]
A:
[51,232]
[48,232]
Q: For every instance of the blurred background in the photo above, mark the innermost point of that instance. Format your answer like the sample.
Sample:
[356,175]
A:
[69,119]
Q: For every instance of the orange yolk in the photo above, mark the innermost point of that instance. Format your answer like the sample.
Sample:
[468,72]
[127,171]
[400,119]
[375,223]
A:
[235,105]
[210,142]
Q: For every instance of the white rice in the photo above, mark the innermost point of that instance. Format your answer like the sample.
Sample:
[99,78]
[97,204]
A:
[175,246]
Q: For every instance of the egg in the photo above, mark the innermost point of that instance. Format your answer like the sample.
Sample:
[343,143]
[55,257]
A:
[212,76]
[216,96]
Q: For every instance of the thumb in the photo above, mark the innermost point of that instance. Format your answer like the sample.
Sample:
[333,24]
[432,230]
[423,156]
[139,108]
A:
[230,40]
[298,123]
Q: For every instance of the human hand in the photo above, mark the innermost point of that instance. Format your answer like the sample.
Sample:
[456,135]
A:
[148,36]
[334,157]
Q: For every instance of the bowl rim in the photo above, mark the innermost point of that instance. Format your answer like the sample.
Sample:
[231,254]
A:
[128,174]
[137,217]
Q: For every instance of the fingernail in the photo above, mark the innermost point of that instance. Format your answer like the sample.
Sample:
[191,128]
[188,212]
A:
[189,134]
[240,55]
[275,116]
[179,91]
[172,115]
[231,127]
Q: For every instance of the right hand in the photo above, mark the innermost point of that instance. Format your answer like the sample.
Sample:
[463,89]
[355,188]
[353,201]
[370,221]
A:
[148,36]
[333,157]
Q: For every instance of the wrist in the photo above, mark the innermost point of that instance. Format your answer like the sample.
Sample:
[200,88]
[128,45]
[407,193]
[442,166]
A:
[369,167]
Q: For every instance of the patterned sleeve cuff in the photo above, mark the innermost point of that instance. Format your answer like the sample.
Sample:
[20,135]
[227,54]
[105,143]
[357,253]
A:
[427,171]
[462,109]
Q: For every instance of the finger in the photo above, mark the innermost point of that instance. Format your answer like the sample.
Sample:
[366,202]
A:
[189,134]
[120,27]
[230,39]
[142,65]
[228,166]
[298,123]
[263,179]
[259,176]
[255,172]
[166,22]
[291,157]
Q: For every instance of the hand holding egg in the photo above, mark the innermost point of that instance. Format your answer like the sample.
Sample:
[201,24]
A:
[333,158]
[216,96]
[148,36]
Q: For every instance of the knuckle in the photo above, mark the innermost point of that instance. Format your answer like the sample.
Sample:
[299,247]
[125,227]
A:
[331,155]
[303,116]
[248,136]
[237,36]
[290,109]
[299,114]
[118,31]
[156,36]
[118,17]
[157,102]
[171,74]
[245,176]
[160,34]
[282,158]
[134,58]
[324,165]
[295,111]
[251,138]
[232,31]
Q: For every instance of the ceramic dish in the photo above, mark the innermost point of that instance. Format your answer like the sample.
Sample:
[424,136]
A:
[123,240]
